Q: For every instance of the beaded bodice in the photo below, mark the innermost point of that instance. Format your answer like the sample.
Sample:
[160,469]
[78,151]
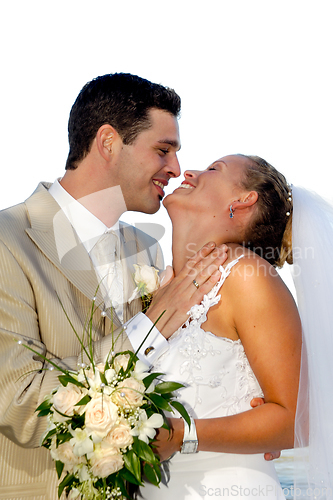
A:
[216,373]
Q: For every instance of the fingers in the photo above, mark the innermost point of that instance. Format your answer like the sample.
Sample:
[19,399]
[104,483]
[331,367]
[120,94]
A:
[166,276]
[201,254]
[197,278]
[204,266]
[208,255]
[273,455]
[257,402]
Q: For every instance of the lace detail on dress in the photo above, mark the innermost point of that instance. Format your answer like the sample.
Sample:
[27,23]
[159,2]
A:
[198,313]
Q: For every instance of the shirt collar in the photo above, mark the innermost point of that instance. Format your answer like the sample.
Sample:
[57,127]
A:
[87,226]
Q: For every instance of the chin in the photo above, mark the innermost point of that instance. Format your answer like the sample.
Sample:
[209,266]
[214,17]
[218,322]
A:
[152,209]
[166,200]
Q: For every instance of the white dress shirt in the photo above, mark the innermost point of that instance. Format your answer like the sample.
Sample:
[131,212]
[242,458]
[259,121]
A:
[89,230]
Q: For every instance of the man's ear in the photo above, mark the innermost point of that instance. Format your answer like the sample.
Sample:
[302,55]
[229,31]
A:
[105,138]
[246,201]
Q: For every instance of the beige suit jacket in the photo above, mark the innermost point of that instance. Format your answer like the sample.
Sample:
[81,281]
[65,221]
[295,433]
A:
[32,277]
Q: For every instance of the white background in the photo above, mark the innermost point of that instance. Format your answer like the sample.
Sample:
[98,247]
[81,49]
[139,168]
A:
[255,77]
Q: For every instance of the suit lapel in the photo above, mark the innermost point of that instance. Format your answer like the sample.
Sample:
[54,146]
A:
[55,237]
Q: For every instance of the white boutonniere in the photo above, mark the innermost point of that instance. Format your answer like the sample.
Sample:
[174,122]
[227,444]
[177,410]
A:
[147,281]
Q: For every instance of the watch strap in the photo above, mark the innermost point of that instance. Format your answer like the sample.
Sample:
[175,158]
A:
[190,439]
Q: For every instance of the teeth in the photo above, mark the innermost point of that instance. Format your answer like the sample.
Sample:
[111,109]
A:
[157,183]
[186,186]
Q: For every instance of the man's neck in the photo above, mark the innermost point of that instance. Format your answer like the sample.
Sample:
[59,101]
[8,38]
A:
[106,204]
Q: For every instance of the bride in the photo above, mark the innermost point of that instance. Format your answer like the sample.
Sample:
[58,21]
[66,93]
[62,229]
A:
[243,341]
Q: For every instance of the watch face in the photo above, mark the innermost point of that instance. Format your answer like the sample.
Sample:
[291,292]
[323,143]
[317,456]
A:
[189,447]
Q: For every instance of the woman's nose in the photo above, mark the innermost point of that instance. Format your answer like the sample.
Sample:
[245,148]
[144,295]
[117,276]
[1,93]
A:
[191,174]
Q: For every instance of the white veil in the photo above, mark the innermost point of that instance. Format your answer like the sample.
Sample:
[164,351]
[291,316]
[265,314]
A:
[312,229]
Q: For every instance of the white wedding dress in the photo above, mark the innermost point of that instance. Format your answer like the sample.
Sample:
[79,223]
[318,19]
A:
[219,382]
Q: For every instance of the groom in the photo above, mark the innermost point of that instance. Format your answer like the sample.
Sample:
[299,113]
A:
[124,138]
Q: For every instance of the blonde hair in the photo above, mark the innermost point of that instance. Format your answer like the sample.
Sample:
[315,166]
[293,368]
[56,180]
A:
[270,233]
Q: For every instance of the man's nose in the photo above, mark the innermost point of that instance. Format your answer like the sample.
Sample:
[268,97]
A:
[174,167]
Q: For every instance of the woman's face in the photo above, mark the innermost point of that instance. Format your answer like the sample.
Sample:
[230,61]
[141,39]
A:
[209,191]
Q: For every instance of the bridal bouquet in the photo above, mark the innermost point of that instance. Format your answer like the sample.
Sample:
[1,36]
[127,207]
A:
[102,419]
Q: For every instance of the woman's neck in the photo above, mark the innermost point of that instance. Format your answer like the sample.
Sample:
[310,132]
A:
[185,244]
[189,238]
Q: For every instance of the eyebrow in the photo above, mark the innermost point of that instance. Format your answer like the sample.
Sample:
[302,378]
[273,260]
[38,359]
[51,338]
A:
[218,161]
[172,143]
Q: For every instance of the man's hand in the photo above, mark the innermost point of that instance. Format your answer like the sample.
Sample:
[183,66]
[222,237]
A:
[196,278]
[271,455]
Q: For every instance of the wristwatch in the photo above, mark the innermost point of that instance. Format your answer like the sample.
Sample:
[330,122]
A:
[190,440]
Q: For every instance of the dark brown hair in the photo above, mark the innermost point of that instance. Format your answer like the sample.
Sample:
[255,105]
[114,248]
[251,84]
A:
[269,234]
[121,100]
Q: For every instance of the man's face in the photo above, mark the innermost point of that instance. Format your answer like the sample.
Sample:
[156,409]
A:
[145,167]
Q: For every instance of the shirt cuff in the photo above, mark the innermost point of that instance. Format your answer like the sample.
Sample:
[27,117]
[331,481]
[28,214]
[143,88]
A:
[155,344]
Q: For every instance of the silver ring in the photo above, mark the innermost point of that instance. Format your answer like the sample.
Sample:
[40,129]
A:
[195,283]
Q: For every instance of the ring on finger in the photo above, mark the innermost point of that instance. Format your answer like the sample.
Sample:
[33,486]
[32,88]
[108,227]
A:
[196,284]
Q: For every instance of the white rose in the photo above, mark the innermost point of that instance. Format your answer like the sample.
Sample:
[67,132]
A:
[120,436]
[66,455]
[105,460]
[121,361]
[65,399]
[101,415]
[130,393]
[147,277]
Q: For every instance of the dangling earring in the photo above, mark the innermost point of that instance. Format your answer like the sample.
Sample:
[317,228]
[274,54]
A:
[231,214]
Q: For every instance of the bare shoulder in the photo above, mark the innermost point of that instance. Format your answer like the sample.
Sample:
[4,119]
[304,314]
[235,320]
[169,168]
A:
[254,299]
[249,263]
[253,279]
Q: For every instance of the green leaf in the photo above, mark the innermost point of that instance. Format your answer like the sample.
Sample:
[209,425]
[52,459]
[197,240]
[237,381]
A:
[68,379]
[157,469]
[118,481]
[148,380]
[63,438]
[159,402]
[50,434]
[59,468]
[83,401]
[66,482]
[144,451]
[129,477]
[46,405]
[103,378]
[150,473]
[180,408]
[132,463]
[43,413]
[165,387]
[78,421]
